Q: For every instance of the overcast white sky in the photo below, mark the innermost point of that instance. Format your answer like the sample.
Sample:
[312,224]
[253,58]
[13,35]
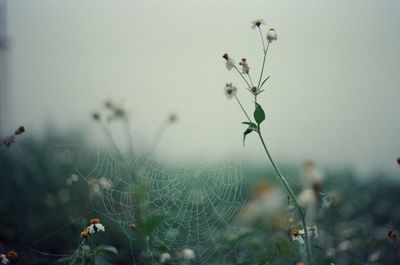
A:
[333,95]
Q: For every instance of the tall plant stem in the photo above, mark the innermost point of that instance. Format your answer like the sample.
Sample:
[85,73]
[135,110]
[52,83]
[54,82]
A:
[292,196]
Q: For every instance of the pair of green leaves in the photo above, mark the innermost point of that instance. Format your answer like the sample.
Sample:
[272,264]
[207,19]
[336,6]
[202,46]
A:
[259,117]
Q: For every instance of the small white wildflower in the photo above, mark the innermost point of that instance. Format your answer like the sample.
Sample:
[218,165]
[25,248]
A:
[230,90]
[296,236]
[312,231]
[257,23]
[230,62]
[95,226]
[164,258]
[188,254]
[4,259]
[271,35]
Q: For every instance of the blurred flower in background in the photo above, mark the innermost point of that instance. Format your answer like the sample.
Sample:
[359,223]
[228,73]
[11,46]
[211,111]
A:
[164,258]
[266,201]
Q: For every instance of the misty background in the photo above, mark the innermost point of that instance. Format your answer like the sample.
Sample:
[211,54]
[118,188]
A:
[333,95]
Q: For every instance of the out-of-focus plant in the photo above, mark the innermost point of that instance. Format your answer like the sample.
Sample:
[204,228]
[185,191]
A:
[10,140]
[254,126]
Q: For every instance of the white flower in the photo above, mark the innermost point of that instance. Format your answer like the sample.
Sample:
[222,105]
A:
[230,90]
[188,254]
[230,62]
[296,236]
[271,35]
[312,231]
[267,202]
[257,23]
[164,258]
[4,259]
[95,226]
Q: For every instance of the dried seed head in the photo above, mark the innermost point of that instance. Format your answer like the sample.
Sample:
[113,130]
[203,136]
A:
[20,130]
[8,141]
[271,35]
[245,66]
[13,255]
[392,234]
[108,104]
[254,89]
[225,56]
[172,117]
[96,116]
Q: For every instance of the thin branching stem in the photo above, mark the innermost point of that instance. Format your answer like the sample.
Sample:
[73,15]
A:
[262,38]
[251,81]
[263,64]
[245,80]
[241,106]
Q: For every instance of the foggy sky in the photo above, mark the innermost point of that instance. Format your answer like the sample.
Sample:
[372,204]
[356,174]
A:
[333,95]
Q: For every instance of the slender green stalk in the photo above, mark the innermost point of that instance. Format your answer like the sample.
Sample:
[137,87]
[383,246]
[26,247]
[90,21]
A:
[251,81]
[292,196]
[262,39]
[245,80]
[263,65]
[241,106]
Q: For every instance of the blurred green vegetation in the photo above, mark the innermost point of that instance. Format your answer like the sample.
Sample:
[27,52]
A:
[42,212]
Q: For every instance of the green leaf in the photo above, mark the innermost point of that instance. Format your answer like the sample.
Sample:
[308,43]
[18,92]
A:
[152,223]
[106,248]
[246,132]
[265,80]
[251,125]
[259,114]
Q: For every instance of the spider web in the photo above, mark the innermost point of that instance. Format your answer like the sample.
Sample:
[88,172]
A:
[201,202]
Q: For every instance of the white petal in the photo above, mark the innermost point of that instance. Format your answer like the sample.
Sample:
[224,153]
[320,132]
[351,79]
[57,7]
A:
[91,229]
[4,260]
[100,227]
[299,239]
